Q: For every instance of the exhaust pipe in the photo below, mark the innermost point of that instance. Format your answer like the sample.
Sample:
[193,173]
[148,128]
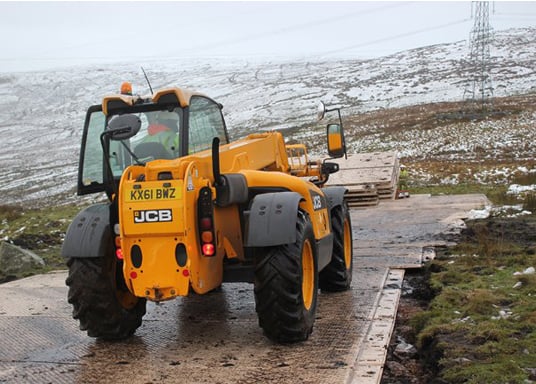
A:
[216,161]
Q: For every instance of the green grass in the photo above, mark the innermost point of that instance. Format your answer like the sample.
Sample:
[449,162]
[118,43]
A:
[479,328]
[457,189]
[39,230]
[497,194]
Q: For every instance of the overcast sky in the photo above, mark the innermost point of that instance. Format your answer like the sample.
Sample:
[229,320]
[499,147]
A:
[39,35]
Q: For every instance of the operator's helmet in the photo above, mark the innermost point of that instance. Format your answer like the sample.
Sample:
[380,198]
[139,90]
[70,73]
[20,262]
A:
[169,119]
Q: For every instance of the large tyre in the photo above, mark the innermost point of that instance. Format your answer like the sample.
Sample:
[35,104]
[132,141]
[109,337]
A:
[286,286]
[337,275]
[101,302]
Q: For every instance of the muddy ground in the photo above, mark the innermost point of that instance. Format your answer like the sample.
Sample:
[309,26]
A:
[421,367]
[403,368]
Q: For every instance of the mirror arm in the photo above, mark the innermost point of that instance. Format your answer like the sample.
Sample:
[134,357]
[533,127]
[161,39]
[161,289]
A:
[106,152]
[342,134]
[136,158]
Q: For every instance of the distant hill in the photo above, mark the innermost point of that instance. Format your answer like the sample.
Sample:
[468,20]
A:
[42,113]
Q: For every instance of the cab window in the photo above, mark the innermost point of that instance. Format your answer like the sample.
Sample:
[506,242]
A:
[158,138]
[159,135]
[205,123]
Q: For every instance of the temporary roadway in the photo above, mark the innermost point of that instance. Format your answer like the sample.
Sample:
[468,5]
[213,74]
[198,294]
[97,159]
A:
[215,338]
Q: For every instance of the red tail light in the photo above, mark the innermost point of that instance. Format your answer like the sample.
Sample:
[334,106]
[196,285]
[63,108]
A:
[206,222]
[208,249]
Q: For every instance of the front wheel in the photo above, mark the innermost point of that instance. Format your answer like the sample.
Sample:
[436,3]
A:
[104,308]
[286,286]
[337,275]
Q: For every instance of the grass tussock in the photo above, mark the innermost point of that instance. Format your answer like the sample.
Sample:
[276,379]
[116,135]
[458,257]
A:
[529,202]
[10,212]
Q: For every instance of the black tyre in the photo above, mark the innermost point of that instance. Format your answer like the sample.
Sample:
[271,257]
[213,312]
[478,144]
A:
[286,286]
[101,302]
[337,275]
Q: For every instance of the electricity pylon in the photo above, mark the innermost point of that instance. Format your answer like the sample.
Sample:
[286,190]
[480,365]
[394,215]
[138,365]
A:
[479,88]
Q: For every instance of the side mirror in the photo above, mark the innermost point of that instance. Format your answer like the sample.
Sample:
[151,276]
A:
[123,127]
[321,111]
[336,147]
[335,133]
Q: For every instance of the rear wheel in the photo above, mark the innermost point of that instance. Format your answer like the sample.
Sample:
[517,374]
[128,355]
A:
[337,275]
[101,302]
[286,286]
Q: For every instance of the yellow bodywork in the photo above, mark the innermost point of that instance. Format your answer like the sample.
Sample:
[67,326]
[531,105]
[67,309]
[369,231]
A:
[159,215]
[183,96]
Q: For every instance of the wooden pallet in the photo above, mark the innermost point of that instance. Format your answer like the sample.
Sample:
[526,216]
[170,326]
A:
[362,195]
[369,177]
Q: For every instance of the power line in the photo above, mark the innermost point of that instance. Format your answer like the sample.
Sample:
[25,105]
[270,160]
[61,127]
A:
[223,42]
[292,28]
[520,18]
[395,37]
[514,14]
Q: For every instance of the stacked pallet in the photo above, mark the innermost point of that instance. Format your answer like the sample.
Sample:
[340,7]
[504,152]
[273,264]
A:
[369,177]
[365,195]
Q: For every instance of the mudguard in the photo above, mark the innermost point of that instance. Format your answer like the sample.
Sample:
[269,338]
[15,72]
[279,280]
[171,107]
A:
[89,235]
[334,196]
[272,219]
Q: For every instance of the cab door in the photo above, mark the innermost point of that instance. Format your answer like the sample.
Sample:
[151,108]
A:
[91,163]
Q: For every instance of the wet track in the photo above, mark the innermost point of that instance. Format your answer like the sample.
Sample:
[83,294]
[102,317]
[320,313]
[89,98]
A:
[215,338]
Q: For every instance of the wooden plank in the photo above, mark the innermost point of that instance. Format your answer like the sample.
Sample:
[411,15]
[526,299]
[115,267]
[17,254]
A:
[359,204]
[370,360]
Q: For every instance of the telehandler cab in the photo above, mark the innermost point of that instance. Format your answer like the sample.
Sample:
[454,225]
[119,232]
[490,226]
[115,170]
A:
[191,210]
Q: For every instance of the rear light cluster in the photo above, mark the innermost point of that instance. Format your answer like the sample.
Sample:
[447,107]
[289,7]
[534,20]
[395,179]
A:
[206,222]
[120,256]
[118,249]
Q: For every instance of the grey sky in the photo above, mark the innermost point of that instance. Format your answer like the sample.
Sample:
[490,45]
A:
[38,35]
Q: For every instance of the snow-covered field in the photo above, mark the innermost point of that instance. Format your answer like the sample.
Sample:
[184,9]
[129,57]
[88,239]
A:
[42,113]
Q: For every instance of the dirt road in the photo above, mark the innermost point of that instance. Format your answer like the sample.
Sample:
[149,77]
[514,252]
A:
[215,338]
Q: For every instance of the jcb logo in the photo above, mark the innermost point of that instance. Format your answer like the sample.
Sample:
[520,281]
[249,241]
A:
[317,202]
[153,216]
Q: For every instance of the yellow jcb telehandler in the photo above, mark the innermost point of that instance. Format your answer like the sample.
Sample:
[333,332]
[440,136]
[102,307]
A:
[189,210]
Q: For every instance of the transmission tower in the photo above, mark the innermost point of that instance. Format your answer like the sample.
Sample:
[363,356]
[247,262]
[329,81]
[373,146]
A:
[479,89]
